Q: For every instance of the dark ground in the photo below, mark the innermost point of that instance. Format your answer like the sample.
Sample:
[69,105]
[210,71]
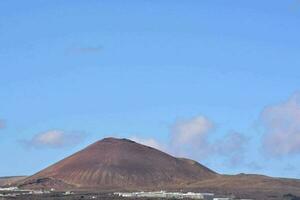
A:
[62,196]
[102,196]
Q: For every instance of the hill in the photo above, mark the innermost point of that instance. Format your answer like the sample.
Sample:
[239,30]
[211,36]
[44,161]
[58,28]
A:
[119,163]
[250,186]
[9,180]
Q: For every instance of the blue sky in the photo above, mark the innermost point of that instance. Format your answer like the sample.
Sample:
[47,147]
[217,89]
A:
[216,81]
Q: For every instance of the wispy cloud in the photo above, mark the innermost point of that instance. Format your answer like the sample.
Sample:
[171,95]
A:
[281,124]
[148,142]
[2,124]
[54,139]
[233,147]
[184,135]
[84,50]
[191,131]
[190,136]
[193,138]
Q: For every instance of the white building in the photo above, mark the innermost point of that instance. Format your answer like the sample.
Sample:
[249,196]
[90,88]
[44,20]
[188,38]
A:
[164,194]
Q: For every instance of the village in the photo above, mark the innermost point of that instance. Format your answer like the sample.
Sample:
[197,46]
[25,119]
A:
[17,193]
[175,195]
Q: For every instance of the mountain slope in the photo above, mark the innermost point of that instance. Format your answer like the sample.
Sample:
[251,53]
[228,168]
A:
[249,186]
[6,181]
[120,163]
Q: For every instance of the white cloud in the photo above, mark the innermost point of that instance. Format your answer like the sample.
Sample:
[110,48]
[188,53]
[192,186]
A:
[282,127]
[54,139]
[193,138]
[148,142]
[191,131]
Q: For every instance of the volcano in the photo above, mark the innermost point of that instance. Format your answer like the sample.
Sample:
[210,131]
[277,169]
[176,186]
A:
[119,163]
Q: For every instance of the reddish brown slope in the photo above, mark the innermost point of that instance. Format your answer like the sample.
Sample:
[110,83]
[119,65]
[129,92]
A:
[7,181]
[249,186]
[120,163]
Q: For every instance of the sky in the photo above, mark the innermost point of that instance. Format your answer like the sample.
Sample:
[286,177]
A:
[216,81]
